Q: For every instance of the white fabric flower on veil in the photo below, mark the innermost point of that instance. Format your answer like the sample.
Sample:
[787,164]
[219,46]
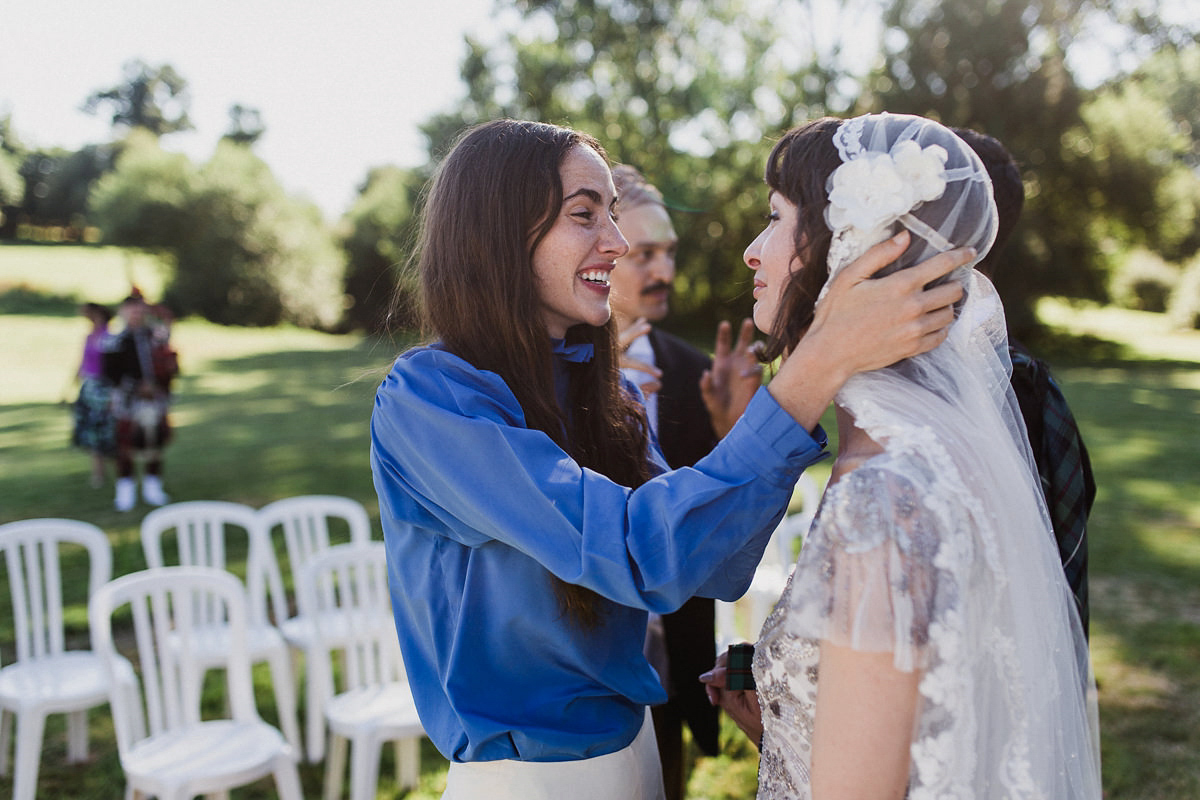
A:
[876,189]
[922,169]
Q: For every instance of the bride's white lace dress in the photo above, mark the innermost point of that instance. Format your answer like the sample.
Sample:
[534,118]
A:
[895,562]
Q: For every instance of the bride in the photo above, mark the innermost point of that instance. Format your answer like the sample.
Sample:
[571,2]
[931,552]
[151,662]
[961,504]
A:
[926,644]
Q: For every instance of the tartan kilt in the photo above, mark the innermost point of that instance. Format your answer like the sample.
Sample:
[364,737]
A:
[95,427]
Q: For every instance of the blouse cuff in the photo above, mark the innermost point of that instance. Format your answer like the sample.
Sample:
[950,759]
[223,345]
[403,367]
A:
[765,424]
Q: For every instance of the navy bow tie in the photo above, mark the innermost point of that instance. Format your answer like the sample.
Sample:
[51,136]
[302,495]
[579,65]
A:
[578,353]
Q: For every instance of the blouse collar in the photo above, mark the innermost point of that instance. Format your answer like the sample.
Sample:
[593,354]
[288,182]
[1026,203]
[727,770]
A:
[577,353]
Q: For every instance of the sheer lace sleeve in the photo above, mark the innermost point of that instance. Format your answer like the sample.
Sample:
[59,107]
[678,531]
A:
[871,575]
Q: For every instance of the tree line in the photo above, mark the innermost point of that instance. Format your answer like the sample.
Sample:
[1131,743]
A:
[692,93]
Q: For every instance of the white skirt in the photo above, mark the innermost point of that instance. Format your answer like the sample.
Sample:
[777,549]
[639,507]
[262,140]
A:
[632,773]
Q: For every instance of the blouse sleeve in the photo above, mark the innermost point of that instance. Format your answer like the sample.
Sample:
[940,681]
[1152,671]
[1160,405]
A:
[451,456]
[868,574]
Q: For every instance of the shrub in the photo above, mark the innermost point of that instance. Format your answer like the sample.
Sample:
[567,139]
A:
[379,232]
[245,252]
[1185,300]
[1144,282]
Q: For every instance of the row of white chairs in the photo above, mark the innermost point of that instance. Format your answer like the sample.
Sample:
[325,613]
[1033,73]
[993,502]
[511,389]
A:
[741,621]
[188,619]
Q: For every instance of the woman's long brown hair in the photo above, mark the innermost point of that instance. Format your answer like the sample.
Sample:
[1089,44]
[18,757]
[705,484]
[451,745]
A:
[798,168]
[494,198]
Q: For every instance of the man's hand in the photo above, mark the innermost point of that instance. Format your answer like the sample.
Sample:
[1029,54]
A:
[652,381]
[864,324]
[735,376]
[741,705]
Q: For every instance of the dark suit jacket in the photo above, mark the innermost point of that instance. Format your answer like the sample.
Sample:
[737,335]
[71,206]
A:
[686,435]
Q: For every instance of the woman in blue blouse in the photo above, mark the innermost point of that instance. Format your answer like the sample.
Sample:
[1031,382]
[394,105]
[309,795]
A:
[530,521]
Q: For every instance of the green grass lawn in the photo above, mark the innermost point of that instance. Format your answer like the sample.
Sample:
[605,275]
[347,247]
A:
[267,413]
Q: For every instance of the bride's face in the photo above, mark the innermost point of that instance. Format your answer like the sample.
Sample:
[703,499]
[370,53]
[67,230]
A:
[772,256]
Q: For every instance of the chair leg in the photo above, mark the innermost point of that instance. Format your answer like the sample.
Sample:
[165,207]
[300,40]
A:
[285,699]
[77,737]
[318,680]
[287,779]
[335,766]
[408,762]
[30,728]
[6,723]
[364,768]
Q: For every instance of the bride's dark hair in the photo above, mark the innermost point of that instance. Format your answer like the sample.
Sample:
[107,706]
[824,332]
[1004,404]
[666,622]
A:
[797,169]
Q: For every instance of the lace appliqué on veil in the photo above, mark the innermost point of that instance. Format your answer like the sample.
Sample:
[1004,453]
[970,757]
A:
[885,568]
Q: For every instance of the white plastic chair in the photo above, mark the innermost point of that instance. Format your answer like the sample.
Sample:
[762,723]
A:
[166,748]
[47,678]
[201,529]
[376,705]
[304,521]
[742,620]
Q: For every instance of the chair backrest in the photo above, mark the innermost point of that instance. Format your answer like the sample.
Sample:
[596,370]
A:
[162,603]
[781,552]
[201,533]
[304,521]
[346,588]
[33,557]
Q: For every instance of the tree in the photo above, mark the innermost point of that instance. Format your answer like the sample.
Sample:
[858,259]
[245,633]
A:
[244,252]
[381,228]
[1000,68]
[686,91]
[245,125]
[144,201]
[151,98]
[12,185]
[1003,67]
[253,255]
[12,152]
[1140,155]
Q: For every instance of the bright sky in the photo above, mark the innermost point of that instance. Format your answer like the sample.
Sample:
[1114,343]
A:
[341,86]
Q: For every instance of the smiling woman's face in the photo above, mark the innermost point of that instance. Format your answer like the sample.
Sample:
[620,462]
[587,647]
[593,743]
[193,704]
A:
[573,261]
[772,256]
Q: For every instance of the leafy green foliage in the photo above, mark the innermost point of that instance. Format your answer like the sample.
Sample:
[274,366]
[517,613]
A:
[244,251]
[687,92]
[154,99]
[1184,308]
[674,87]
[1144,281]
[57,183]
[379,239]
[1138,153]
[999,68]
[12,185]
[245,125]
[143,201]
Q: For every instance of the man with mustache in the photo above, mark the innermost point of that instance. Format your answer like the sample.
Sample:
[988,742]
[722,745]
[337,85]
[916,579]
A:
[691,401]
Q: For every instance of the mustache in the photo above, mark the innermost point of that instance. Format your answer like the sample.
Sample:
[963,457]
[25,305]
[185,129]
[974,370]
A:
[656,287]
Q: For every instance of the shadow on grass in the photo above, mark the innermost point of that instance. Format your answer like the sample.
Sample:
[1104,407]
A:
[1138,420]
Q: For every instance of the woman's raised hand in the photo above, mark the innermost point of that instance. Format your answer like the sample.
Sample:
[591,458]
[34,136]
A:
[863,324]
